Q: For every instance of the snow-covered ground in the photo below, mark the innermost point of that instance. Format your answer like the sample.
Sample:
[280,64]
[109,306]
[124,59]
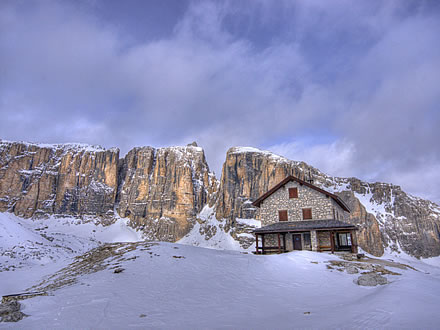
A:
[31,248]
[209,233]
[184,287]
[165,285]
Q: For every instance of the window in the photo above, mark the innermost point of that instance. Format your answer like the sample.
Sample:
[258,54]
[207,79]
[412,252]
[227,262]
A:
[307,214]
[293,192]
[282,215]
[307,239]
[344,239]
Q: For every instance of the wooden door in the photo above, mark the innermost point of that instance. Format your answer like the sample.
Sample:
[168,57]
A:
[297,242]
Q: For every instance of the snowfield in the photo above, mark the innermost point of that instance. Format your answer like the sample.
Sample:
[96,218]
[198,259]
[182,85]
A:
[166,285]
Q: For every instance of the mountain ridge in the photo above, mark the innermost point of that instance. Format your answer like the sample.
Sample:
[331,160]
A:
[170,193]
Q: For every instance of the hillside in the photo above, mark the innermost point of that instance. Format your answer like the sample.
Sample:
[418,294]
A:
[166,285]
[169,194]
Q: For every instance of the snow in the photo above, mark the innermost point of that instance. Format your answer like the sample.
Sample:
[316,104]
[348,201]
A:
[168,285]
[177,286]
[435,261]
[220,240]
[27,242]
[182,153]
[64,146]
[247,149]
[249,222]
[372,207]
[266,153]
[247,235]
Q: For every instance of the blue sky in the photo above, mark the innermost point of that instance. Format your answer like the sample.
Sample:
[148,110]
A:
[351,87]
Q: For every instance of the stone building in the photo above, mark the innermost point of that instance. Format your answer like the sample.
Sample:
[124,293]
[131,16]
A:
[297,215]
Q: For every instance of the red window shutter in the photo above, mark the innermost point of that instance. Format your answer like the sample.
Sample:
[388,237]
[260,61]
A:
[307,214]
[293,192]
[282,215]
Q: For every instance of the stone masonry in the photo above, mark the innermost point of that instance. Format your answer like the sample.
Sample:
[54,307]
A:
[323,207]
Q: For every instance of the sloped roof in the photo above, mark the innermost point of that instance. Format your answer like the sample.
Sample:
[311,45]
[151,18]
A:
[286,226]
[259,200]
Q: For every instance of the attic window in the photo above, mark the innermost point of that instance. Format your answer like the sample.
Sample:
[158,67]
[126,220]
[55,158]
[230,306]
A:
[293,192]
[307,213]
[282,215]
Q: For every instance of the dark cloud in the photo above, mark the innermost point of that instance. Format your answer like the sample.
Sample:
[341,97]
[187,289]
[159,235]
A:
[351,87]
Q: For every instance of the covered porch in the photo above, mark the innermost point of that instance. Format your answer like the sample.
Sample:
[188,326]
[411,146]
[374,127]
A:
[314,235]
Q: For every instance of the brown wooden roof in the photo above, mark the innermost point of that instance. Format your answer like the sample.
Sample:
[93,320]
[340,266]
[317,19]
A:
[305,225]
[260,199]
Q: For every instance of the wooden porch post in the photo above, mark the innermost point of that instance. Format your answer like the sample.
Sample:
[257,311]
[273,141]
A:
[353,241]
[262,243]
[284,242]
[332,241]
[256,243]
[279,243]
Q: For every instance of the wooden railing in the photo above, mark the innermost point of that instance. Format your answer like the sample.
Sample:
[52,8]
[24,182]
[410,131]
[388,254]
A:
[269,249]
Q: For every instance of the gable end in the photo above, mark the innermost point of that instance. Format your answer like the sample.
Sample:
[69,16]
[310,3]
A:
[339,201]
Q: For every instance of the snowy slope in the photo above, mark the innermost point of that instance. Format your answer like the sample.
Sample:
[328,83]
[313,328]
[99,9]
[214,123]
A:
[166,285]
[27,242]
[208,232]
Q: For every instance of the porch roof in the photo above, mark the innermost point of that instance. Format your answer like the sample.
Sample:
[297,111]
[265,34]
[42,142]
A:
[304,225]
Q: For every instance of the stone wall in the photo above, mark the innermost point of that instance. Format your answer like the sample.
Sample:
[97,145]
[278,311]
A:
[321,205]
[271,240]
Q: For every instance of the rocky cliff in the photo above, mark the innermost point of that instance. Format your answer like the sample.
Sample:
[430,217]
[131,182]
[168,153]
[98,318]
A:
[68,179]
[169,193]
[386,216]
[162,191]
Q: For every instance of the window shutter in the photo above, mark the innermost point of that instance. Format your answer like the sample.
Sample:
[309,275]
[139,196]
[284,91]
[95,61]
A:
[293,192]
[282,215]
[307,214]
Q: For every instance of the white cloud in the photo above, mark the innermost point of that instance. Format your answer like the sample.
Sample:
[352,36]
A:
[336,158]
[362,76]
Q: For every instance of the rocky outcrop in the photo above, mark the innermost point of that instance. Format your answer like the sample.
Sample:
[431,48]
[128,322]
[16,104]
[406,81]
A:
[163,190]
[406,223]
[369,236]
[386,216]
[10,312]
[68,179]
[246,174]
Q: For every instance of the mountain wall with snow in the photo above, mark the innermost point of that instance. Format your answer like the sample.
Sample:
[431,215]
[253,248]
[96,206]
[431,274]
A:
[169,194]
[387,217]
[66,179]
[163,190]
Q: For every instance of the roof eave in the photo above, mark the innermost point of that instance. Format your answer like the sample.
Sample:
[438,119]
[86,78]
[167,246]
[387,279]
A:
[301,230]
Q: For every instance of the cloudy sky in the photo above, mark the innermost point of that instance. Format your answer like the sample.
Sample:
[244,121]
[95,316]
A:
[351,87]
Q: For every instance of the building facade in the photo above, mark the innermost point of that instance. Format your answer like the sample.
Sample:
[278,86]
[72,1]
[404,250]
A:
[296,215]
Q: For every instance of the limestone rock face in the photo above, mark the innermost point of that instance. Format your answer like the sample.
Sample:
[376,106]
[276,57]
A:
[408,223]
[163,190]
[37,180]
[386,216]
[246,174]
[369,236]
